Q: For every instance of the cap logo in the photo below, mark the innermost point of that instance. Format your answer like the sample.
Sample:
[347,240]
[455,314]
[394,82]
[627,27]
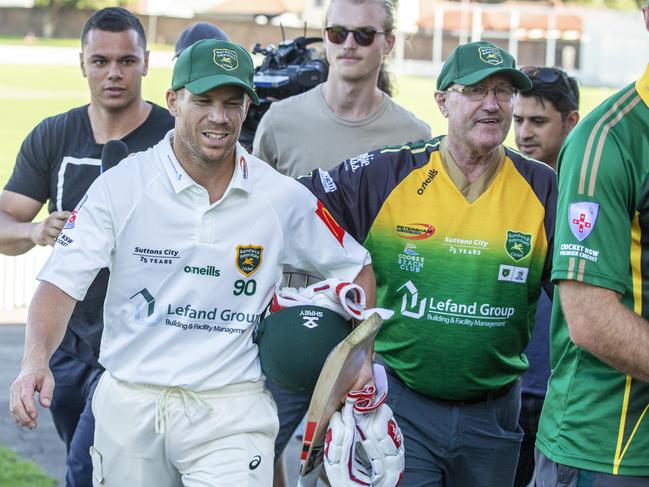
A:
[490,55]
[226,59]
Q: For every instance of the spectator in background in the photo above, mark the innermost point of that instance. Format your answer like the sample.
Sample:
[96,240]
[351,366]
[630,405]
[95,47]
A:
[347,114]
[543,117]
[594,428]
[198,32]
[57,162]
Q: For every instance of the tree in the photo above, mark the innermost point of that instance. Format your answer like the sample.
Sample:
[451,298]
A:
[54,8]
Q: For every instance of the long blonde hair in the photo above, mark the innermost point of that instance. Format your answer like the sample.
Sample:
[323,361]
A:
[384,82]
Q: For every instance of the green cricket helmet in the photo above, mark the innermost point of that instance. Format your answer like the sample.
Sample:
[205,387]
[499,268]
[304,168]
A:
[294,343]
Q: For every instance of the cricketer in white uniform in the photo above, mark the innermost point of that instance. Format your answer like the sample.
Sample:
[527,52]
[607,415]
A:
[183,398]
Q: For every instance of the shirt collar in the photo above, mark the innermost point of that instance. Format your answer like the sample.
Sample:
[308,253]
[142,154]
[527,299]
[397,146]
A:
[470,190]
[642,86]
[180,180]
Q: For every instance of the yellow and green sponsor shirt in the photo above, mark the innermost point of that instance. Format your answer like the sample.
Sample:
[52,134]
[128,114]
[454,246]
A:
[594,417]
[462,274]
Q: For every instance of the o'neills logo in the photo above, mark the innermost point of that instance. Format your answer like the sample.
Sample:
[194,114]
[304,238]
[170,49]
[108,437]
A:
[208,270]
[429,179]
[415,231]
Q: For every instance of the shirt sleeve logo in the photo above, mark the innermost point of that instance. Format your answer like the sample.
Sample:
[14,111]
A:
[336,230]
[360,161]
[582,217]
[248,259]
[328,184]
[73,216]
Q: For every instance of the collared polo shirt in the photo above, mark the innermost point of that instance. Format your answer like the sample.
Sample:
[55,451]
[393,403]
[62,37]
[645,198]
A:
[189,279]
[462,277]
[594,416]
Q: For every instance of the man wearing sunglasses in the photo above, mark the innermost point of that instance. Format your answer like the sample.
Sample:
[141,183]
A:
[543,117]
[347,114]
[460,230]
[594,428]
[344,116]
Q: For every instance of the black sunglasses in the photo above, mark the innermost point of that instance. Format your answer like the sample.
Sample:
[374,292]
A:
[364,36]
[550,76]
[545,74]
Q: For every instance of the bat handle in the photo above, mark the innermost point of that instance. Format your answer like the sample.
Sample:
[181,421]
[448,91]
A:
[310,479]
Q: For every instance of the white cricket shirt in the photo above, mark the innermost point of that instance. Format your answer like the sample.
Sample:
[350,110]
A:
[189,279]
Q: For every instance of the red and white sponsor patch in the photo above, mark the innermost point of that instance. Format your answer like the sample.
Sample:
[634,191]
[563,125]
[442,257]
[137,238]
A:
[415,231]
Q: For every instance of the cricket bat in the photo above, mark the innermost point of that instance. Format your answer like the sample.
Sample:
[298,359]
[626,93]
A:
[338,375]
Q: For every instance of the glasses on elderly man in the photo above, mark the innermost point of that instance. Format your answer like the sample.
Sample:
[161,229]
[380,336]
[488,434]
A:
[479,92]
[364,36]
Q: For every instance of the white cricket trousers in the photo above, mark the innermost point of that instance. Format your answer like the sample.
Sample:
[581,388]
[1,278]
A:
[148,436]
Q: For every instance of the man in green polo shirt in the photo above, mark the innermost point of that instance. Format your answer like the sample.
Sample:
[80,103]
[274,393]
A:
[594,429]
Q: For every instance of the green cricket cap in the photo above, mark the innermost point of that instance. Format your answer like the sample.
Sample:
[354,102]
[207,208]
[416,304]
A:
[470,63]
[211,63]
[295,342]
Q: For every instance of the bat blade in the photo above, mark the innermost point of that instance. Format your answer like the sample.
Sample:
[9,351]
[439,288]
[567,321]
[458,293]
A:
[338,375]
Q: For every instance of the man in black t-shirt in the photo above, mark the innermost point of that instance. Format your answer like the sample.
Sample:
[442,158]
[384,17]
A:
[57,162]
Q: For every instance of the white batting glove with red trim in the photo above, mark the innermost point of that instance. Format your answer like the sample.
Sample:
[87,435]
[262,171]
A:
[382,442]
[364,445]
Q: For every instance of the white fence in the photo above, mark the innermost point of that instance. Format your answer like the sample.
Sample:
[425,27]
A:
[18,277]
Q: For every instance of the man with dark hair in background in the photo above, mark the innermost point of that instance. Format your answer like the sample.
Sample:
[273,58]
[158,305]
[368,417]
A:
[57,162]
[543,118]
[348,114]
[545,115]
[197,32]
[593,428]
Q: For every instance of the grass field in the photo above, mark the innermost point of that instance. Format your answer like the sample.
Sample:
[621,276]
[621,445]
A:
[30,93]
[17,473]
